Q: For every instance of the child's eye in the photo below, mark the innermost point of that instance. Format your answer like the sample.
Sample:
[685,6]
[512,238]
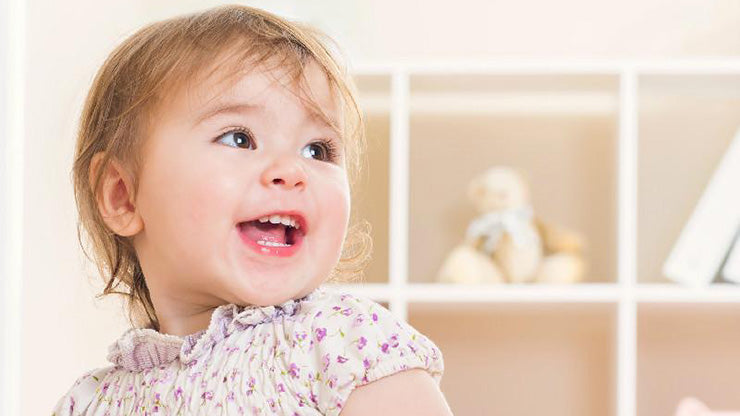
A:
[323,150]
[237,138]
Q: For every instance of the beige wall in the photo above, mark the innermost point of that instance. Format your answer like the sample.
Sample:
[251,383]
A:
[480,28]
[65,331]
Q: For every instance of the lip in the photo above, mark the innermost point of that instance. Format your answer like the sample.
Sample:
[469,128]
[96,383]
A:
[299,235]
[298,215]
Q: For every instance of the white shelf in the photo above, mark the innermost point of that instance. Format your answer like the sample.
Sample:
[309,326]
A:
[585,104]
[577,293]
[625,294]
[662,293]
[443,293]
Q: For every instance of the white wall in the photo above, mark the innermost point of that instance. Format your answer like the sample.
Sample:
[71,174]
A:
[65,331]
[4,200]
[11,178]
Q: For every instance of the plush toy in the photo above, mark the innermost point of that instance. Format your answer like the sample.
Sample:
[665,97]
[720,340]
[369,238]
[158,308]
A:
[506,243]
[690,406]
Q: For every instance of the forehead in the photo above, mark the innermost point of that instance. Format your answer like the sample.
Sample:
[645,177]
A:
[226,87]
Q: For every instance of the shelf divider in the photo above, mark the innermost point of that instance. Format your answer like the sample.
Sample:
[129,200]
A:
[399,193]
[627,245]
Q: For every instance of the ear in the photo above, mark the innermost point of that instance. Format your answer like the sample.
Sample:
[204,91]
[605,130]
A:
[114,199]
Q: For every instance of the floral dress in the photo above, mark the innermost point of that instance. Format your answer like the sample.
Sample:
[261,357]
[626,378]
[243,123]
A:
[302,357]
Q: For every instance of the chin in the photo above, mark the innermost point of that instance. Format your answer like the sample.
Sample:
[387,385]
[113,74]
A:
[263,296]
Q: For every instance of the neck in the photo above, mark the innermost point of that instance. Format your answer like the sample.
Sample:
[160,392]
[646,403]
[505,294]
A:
[180,315]
[184,322]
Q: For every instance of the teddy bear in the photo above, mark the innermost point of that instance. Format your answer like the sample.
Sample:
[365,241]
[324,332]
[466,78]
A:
[690,406]
[506,242]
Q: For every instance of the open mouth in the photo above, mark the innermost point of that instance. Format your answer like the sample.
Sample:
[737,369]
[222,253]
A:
[279,235]
[269,234]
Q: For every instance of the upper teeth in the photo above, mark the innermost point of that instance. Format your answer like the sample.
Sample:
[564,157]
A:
[281,219]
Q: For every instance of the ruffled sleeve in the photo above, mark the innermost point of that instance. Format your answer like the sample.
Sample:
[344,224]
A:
[358,341]
[76,401]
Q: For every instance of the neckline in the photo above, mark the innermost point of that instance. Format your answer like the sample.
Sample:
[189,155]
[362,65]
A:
[140,349]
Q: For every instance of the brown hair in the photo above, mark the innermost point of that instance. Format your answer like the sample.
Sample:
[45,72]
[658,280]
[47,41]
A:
[161,57]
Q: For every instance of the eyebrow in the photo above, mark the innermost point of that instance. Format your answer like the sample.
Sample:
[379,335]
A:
[226,108]
[243,107]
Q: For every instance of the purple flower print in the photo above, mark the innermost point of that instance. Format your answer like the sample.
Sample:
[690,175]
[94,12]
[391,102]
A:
[207,395]
[347,311]
[280,388]
[326,361]
[294,370]
[361,343]
[394,340]
[366,363]
[385,347]
[178,393]
[313,398]
[359,319]
[320,334]
[341,359]
[375,317]
[250,386]
[234,373]
[230,396]
[301,335]
[336,308]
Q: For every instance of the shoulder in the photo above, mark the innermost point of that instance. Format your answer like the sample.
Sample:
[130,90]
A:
[389,396]
[357,341]
[77,398]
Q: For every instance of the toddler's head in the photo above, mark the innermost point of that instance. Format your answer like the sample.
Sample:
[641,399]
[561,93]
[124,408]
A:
[213,165]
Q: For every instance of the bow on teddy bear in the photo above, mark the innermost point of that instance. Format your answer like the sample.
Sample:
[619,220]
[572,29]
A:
[507,243]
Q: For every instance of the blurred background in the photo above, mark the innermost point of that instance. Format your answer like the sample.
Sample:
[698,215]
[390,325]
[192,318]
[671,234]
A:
[614,117]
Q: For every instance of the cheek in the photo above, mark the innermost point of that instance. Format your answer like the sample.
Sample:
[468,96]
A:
[187,200]
[335,208]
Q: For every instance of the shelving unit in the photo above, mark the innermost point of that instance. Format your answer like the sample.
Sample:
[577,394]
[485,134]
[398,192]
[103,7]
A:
[603,346]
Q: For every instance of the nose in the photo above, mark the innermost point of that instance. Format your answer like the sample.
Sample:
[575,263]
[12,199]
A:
[285,172]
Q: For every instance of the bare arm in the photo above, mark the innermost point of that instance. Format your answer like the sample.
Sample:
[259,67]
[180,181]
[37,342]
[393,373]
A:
[410,392]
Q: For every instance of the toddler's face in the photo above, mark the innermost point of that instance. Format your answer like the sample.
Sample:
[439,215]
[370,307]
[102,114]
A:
[214,169]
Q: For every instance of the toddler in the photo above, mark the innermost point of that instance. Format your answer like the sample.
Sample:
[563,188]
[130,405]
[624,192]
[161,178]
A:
[212,176]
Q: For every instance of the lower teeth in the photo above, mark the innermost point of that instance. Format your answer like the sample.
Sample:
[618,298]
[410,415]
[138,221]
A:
[271,244]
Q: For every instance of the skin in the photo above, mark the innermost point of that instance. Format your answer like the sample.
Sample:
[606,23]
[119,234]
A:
[409,392]
[196,184]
